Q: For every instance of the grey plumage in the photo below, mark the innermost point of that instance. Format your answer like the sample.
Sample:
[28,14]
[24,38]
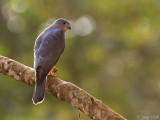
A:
[48,48]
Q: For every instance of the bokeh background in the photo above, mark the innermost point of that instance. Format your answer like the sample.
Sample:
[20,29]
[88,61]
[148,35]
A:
[112,52]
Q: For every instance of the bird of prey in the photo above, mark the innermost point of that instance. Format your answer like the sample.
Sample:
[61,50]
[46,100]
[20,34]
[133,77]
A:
[48,48]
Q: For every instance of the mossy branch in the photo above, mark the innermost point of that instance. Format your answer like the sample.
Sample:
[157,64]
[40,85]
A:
[65,91]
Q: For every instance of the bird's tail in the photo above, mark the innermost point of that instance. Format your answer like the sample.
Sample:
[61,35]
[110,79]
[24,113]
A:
[38,95]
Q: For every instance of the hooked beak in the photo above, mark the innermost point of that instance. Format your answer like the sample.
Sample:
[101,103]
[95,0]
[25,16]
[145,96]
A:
[69,27]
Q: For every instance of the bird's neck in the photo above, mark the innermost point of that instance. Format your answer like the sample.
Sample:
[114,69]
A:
[60,28]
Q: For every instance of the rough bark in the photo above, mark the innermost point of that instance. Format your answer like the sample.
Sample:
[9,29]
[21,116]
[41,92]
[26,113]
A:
[65,91]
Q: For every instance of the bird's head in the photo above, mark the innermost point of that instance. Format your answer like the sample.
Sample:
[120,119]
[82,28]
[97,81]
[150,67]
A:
[62,24]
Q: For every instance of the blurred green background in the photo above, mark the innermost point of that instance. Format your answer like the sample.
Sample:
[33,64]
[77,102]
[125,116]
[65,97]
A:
[112,52]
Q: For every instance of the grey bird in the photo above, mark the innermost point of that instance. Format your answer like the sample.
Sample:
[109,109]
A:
[48,48]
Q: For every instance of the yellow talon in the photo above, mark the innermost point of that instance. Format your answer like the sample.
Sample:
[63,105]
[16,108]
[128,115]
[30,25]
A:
[53,71]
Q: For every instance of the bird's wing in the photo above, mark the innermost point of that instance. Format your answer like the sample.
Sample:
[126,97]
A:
[50,49]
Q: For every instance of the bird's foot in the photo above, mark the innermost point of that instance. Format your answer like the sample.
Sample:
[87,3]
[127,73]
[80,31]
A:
[53,72]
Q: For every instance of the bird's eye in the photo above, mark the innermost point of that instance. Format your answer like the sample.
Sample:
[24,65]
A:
[64,23]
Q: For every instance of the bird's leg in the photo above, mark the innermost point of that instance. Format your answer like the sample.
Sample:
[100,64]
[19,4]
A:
[53,72]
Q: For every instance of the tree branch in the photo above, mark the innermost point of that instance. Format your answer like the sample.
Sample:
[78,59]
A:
[65,91]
